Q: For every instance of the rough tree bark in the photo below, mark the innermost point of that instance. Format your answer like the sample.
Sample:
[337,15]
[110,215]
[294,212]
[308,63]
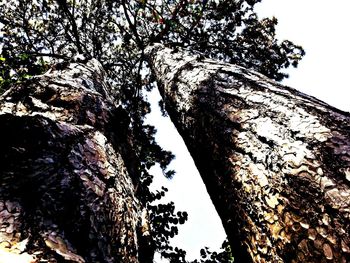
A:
[276,162]
[66,189]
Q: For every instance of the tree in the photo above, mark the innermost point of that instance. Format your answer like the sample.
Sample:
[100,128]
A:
[274,160]
[38,34]
[68,171]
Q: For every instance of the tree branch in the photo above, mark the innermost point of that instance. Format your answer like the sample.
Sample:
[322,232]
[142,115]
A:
[63,5]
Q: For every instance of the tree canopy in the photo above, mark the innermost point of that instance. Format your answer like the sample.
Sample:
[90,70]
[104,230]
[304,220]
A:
[38,34]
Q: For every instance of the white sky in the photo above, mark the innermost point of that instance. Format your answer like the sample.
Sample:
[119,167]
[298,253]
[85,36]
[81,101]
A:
[322,28]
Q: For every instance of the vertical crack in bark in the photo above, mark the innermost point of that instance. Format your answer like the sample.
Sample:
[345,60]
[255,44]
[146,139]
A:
[276,162]
[65,180]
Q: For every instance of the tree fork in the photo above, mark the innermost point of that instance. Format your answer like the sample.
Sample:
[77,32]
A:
[66,189]
[276,162]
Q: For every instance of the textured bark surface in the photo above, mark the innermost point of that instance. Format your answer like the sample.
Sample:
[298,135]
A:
[276,162]
[65,188]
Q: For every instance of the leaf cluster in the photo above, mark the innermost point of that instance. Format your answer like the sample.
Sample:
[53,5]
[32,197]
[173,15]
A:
[225,255]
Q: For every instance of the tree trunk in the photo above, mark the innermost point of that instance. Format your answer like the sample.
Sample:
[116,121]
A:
[276,162]
[66,192]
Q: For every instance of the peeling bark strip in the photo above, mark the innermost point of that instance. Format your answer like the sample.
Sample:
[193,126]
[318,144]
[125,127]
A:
[65,190]
[276,162]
